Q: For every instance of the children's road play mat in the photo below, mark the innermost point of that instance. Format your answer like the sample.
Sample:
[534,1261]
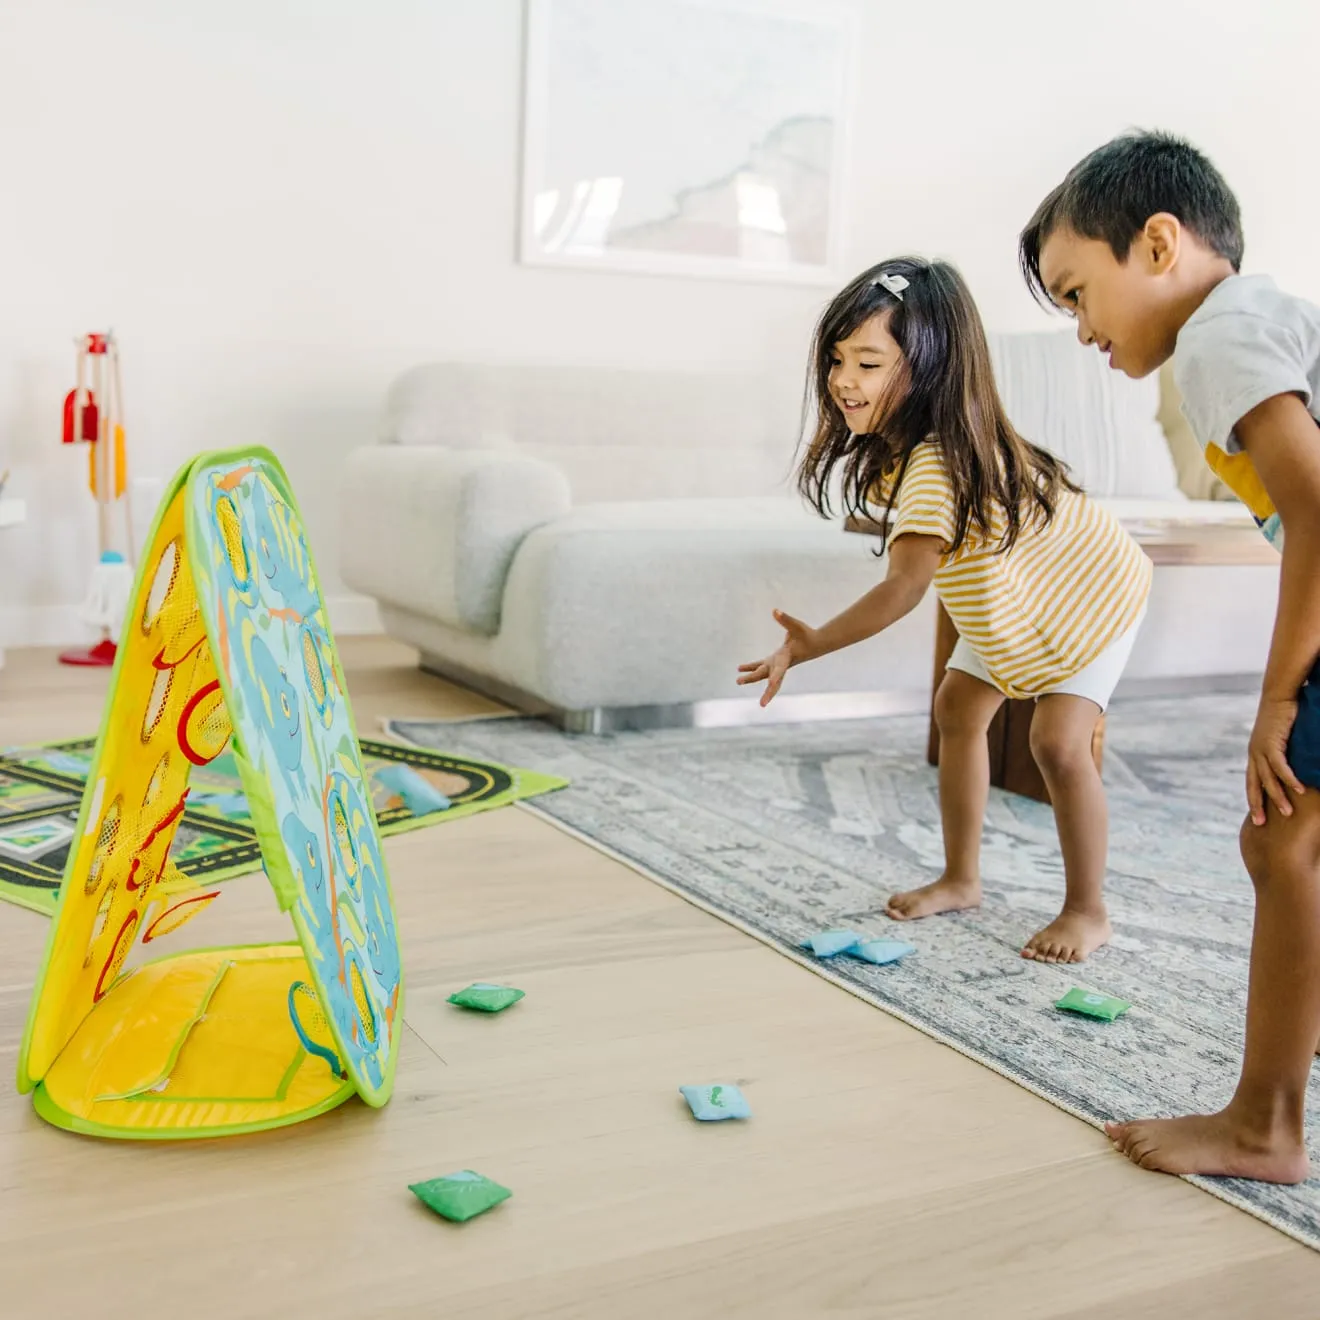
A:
[41,787]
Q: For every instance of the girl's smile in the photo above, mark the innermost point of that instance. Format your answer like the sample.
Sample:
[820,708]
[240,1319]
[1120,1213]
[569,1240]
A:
[860,371]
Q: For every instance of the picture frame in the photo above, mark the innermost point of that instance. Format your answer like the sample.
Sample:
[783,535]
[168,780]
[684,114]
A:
[687,137]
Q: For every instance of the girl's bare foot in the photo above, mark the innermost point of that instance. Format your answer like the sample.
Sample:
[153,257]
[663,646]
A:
[1218,1145]
[1071,937]
[945,895]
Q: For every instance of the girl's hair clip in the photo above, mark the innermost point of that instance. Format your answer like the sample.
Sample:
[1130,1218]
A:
[894,284]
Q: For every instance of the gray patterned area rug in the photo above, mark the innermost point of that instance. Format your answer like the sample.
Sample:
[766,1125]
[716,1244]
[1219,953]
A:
[787,829]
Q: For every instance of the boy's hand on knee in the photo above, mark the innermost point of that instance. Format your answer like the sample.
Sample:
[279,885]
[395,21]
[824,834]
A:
[799,645]
[1269,776]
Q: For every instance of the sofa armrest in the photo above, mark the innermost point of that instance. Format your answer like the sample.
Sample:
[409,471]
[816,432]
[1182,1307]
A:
[434,530]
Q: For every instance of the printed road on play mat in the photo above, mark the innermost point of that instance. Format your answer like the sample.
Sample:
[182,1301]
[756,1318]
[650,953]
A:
[41,788]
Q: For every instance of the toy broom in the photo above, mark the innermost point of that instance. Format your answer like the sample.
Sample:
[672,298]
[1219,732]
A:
[93,414]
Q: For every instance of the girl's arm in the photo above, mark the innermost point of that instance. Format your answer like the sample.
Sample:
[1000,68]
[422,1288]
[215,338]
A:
[1282,439]
[912,564]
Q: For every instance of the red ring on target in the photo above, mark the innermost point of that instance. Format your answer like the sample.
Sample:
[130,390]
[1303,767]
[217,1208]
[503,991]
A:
[123,942]
[194,701]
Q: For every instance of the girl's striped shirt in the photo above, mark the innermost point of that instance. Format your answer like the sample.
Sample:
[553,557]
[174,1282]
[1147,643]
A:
[1045,610]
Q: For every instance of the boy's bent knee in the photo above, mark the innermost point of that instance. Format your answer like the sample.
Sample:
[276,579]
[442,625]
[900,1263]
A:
[1284,848]
[1255,850]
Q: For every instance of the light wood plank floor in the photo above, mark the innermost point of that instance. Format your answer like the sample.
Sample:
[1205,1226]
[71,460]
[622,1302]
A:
[882,1175]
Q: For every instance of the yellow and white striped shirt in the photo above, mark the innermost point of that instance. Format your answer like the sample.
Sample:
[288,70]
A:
[1045,610]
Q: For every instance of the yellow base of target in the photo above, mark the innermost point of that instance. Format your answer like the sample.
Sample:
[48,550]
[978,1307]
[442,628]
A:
[198,1044]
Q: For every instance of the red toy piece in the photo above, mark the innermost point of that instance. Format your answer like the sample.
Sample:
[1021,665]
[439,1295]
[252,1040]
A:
[90,418]
[100,656]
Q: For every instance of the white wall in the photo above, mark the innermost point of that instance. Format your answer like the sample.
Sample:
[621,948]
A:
[279,205]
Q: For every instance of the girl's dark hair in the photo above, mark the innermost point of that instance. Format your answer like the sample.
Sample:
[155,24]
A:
[1113,192]
[943,391]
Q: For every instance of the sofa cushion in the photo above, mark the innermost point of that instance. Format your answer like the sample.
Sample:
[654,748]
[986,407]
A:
[434,531]
[766,513]
[651,604]
[633,433]
[616,433]
[1065,398]
[1195,477]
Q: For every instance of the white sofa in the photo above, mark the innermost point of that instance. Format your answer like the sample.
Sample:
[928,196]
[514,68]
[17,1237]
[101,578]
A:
[606,546]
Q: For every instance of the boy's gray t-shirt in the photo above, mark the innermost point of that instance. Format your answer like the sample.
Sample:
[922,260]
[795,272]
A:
[1247,342]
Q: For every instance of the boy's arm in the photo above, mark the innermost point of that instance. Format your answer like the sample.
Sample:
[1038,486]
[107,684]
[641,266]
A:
[1283,442]
[912,564]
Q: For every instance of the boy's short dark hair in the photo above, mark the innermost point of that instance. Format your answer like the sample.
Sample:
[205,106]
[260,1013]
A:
[1113,192]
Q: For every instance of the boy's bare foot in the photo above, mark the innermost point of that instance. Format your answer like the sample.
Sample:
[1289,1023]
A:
[1071,937]
[944,895]
[1219,1145]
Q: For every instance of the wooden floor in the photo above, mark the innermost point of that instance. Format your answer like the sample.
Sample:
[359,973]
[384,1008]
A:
[882,1174]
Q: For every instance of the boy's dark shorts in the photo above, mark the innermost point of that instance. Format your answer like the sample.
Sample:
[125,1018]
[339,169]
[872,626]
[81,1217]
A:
[1304,744]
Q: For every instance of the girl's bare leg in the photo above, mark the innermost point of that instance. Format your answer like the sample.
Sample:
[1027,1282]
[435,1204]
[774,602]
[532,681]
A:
[1061,734]
[964,708]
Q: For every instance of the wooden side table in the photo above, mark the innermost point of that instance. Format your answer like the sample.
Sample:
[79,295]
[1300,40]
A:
[1012,766]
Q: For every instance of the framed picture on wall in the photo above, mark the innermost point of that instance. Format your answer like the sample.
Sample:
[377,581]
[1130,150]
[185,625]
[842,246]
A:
[689,137]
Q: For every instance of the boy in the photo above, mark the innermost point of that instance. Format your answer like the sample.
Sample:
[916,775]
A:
[1142,243]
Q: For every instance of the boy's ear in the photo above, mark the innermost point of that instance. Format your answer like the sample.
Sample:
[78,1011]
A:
[1159,242]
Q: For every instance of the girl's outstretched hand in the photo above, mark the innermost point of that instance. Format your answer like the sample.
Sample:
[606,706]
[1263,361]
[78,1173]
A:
[799,645]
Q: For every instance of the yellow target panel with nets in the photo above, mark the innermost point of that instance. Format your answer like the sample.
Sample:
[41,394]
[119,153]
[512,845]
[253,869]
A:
[226,646]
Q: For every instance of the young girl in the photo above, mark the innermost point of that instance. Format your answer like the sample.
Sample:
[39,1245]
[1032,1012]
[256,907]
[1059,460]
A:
[1047,591]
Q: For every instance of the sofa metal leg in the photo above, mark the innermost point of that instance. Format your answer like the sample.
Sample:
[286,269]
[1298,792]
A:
[715,714]
[801,709]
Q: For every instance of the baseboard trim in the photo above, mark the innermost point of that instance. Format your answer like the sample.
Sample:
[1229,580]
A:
[43,625]
[1198,684]
[353,615]
[482,684]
